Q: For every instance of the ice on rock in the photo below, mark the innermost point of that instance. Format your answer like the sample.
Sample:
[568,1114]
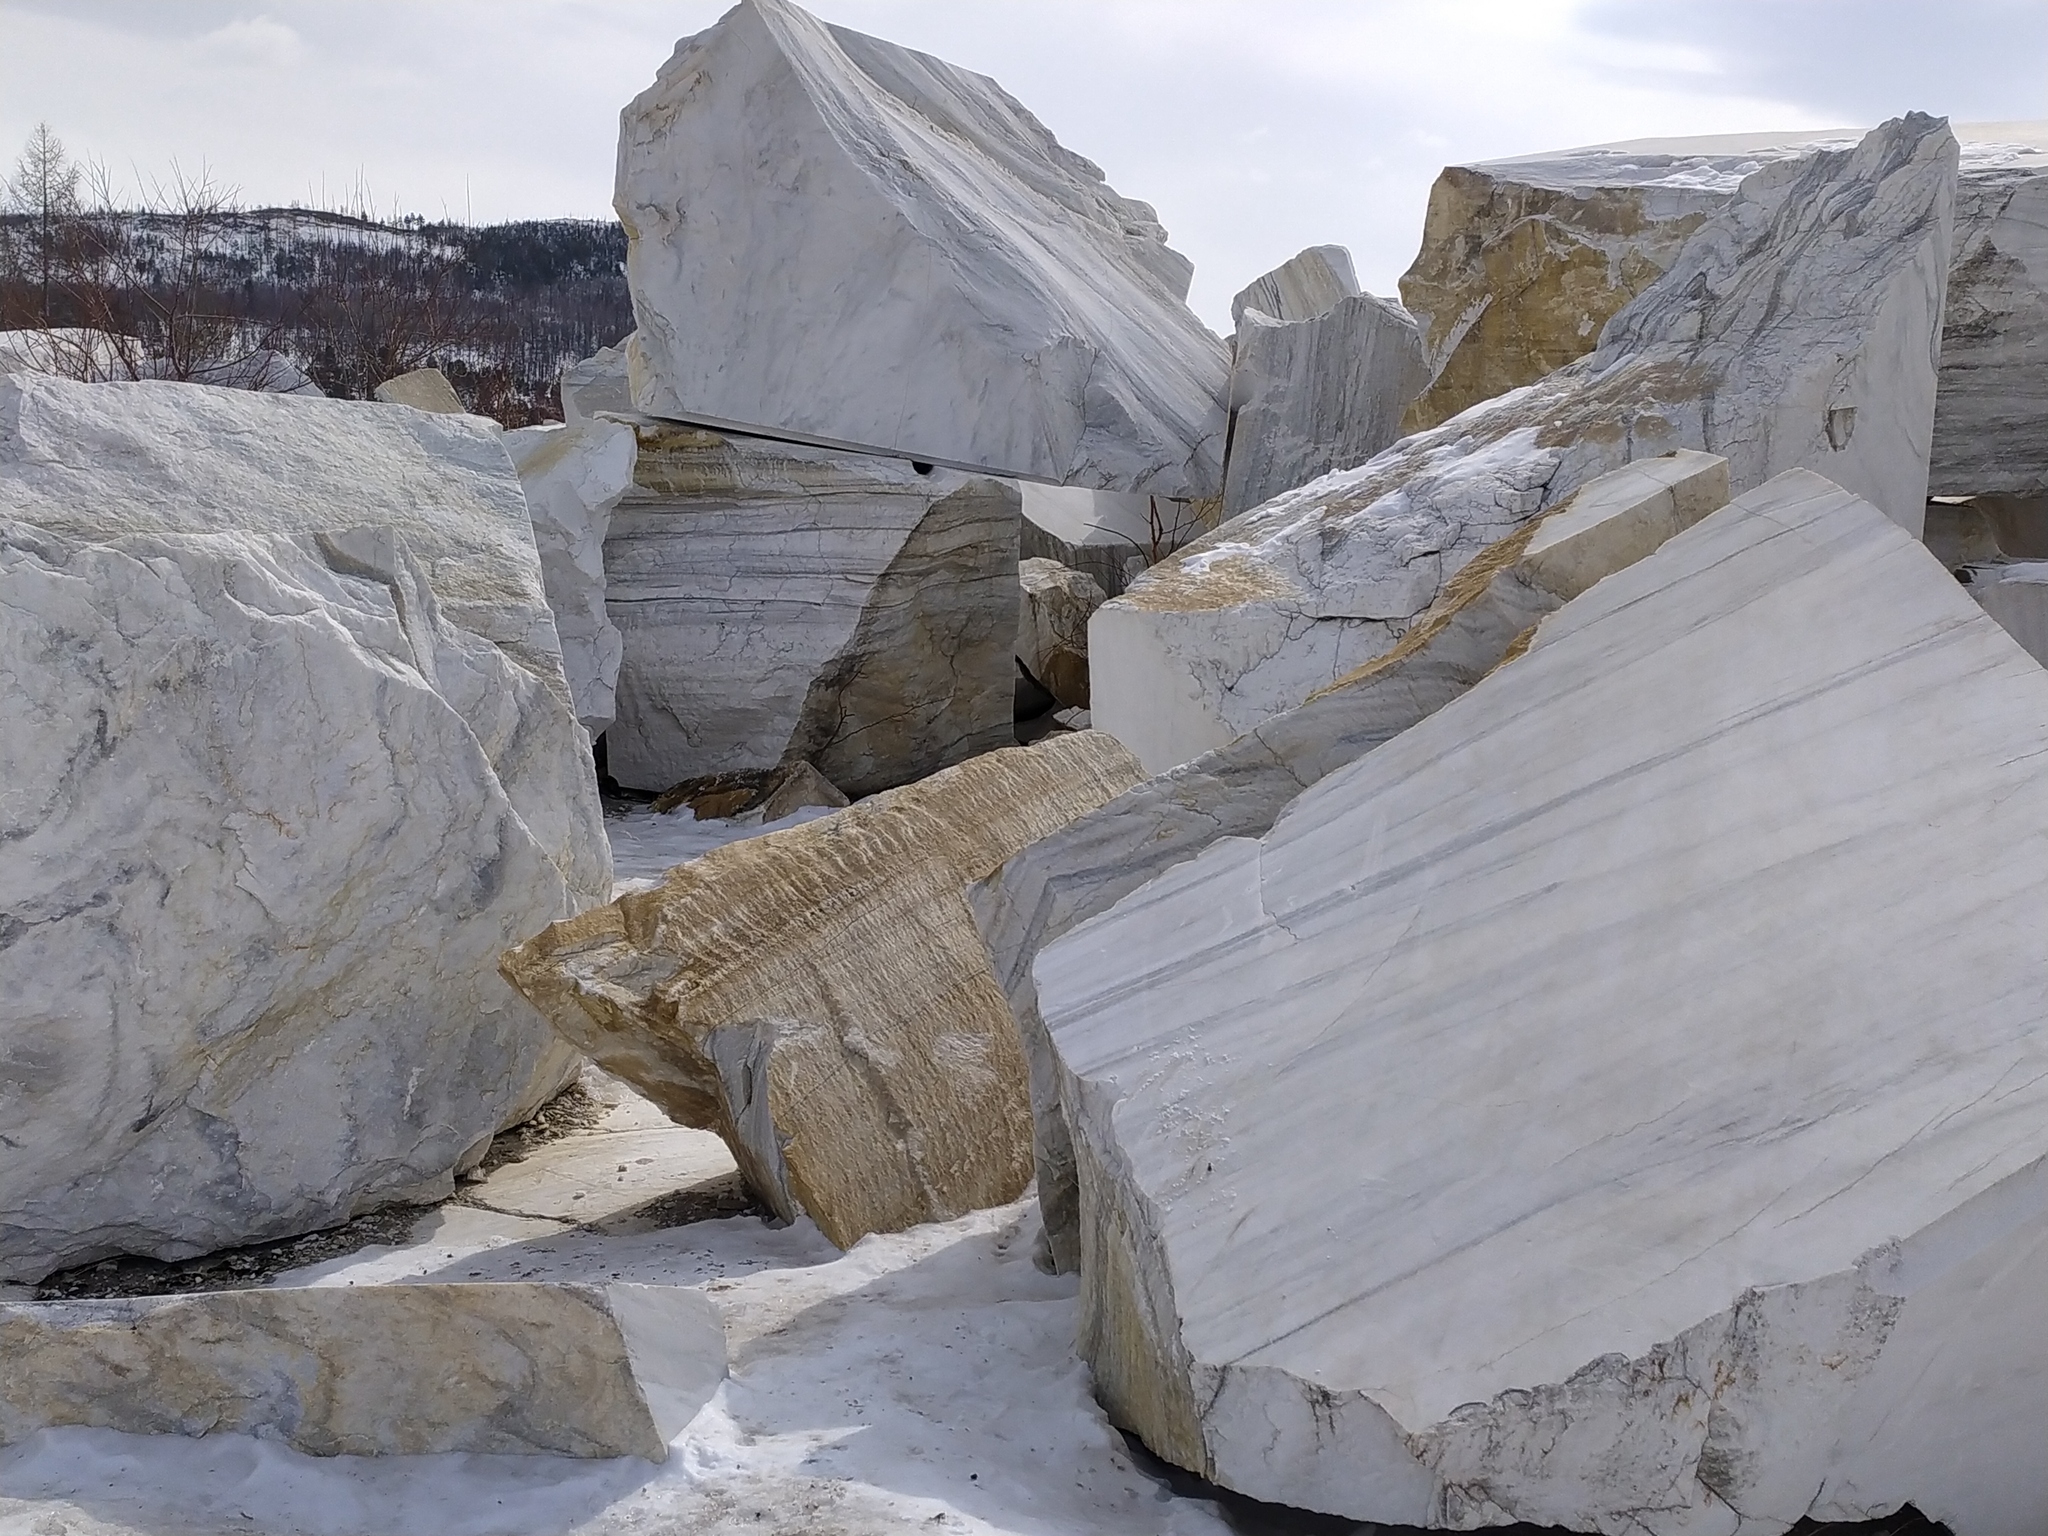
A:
[836,240]
[290,759]
[1796,328]
[1620,1101]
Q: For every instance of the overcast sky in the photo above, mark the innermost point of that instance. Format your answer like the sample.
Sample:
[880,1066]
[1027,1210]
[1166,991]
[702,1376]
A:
[1254,126]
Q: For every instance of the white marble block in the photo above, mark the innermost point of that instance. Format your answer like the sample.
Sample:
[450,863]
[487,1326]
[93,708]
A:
[1482,615]
[1321,387]
[1524,260]
[288,758]
[836,240]
[820,997]
[1786,334]
[1619,1102]
[573,476]
[781,603]
[517,1369]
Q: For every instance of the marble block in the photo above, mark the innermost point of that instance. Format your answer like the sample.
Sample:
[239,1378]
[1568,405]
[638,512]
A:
[1523,261]
[1310,283]
[1785,334]
[2016,594]
[573,475]
[781,603]
[516,1369]
[1053,605]
[1481,617]
[1322,392]
[424,389]
[833,239]
[288,758]
[819,995]
[1619,1102]
[597,384]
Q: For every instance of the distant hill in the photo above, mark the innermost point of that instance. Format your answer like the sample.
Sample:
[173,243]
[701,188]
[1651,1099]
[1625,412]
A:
[500,308]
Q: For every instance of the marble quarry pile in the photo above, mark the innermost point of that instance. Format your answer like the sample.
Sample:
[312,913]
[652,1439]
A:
[1523,261]
[292,757]
[1787,333]
[820,996]
[1617,1101]
[1485,613]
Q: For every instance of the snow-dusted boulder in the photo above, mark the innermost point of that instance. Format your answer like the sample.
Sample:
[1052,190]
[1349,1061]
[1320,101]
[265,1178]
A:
[1479,619]
[1053,605]
[573,476]
[1619,1102]
[1524,260]
[1316,388]
[1787,334]
[781,603]
[288,758]
[820,996]
[836,240]
[516,1369]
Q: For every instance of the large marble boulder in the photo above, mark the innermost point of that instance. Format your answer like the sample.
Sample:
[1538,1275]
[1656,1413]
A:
[781,603]
[1479,620]
[573,475]
[836,240]
[820,997]
[517,1369]
[1619,1102]
[1523,261]
[1319,387]
[1786,334]
[288,758]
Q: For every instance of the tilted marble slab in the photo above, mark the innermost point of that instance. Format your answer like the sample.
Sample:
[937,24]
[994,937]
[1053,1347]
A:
[833,239]
[1524,260]
[1318,388]
[1787,334]
[1085,867]
[573,474]
[819,995]
[780,603]
[288,758]
[375,1370]
[1620,1102]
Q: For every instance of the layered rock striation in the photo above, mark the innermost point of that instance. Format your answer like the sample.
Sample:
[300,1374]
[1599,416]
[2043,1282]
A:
[1788,333]
[1620,1101]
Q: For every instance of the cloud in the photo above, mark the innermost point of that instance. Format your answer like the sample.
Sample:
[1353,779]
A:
[257,43]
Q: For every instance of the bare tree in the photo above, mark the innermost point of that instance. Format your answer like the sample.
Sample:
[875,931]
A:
[44,191]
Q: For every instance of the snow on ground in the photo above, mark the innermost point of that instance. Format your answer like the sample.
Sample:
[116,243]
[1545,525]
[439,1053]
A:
[645,845]
[925,1381]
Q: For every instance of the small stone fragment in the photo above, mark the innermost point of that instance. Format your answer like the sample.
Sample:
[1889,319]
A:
[1052,627]
[424,389]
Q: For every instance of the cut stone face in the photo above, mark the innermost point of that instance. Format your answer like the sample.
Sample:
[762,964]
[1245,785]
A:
[832,239]
[1785,335]
[819,995]
[1052,627]
[573,476]
[1316,389]
[1482,615]
[424,389]
[2016,594]
[1523,261]
[781,603]
[1621,1100]
[376,1370]
[289,760]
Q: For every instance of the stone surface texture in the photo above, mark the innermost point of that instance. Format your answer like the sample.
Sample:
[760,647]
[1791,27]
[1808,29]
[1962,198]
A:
[1787,334]
[821,998]
[1318,388]
[1053,608]
[1523,261]
[424,389]
[290,759]
[573,476]
[834,239]
[1620,1102]
[781,603]
[382,1370]
[1482,615]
